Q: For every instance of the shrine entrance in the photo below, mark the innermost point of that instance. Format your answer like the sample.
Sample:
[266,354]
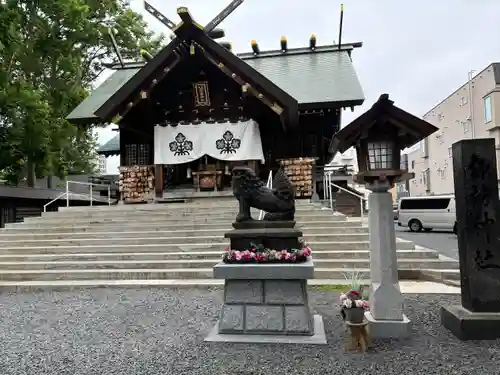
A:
[201,156]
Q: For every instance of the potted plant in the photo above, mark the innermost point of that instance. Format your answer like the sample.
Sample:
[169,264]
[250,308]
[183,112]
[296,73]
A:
[352,304]
[353,307]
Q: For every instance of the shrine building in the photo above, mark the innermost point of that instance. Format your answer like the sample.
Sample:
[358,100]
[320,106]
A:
[189,114]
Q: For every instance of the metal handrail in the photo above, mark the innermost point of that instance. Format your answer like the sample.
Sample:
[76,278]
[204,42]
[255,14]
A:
[52,201]
[327,184]
[269,184]
[90,185]
[67,193]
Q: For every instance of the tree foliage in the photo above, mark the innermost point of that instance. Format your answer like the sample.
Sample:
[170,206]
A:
[51,54]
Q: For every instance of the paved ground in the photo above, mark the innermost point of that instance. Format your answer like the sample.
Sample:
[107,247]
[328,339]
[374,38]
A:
[444,242]
[161,331]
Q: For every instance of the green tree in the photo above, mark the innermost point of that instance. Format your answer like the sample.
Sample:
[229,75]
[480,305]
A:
[51,54]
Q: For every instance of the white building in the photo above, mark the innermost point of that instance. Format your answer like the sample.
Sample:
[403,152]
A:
[472,111]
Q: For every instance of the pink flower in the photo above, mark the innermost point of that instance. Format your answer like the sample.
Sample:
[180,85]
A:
[343,297]
[260,257]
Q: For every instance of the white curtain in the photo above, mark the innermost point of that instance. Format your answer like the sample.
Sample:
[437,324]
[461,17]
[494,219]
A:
[224,141]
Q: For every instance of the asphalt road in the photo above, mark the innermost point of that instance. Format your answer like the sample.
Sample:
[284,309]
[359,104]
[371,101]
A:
[443,242]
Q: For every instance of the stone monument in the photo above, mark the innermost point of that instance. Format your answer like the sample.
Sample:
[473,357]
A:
[266,302]
[478,225]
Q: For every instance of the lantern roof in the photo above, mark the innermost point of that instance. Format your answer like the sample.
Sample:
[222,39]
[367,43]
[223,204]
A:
[409,128]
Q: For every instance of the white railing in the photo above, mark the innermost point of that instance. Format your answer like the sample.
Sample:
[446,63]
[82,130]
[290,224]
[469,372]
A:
[328,193]
[68,192]
[270,186]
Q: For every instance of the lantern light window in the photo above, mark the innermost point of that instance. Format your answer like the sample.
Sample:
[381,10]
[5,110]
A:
[380,155]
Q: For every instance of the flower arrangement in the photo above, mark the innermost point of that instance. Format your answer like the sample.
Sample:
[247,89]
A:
[353,299]
[352,303]
[261,254]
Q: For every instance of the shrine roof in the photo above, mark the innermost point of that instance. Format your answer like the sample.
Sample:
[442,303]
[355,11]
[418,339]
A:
[321,77]
[84,113]
[111,147]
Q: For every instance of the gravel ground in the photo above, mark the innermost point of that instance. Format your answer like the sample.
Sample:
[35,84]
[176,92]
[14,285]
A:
[161,331]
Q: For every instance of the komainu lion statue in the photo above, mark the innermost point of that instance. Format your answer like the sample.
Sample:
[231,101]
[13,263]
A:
[250,191]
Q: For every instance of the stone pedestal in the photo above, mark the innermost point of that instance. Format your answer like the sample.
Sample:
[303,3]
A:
[468,325]
[478,224]
[386,316]
[267,303]
[271,238]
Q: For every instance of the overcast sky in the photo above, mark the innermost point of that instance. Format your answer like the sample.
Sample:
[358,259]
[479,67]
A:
[417,51]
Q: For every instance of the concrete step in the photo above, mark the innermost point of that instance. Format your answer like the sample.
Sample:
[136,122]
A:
[203,263]
[170,219]
[105,274]
[135,256]
[44,227]
[198,203]
[178,247]
[54,236]
[441,275]
[70,275]
[163,238]
[167,210]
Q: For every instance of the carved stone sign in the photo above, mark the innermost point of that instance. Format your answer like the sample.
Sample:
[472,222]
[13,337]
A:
[478,228]
[201,94]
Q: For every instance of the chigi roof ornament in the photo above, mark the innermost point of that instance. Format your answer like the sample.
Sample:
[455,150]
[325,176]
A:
[210,29]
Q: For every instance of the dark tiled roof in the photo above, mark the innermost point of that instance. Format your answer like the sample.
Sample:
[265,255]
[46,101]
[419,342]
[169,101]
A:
[84,112]
[323,76]
[111,147]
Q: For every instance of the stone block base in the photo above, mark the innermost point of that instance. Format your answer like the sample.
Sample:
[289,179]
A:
[318,338]
[468,325]
[266,307]
[388,329]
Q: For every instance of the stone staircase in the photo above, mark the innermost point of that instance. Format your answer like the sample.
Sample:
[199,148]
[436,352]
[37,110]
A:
[171,244]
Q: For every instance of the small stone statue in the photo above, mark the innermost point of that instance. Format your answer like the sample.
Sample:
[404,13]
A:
[250,191]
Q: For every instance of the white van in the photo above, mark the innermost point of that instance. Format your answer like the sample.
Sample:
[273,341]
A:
[427,213]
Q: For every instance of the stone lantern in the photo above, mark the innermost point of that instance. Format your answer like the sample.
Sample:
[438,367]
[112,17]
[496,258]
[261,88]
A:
[379,135]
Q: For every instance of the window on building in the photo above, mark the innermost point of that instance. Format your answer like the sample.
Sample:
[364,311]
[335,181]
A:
[440,116]
[450,152]
[137,154]
[413,164]
[487,109]
[463,100]
[426,179]
[425,148]
[466,126]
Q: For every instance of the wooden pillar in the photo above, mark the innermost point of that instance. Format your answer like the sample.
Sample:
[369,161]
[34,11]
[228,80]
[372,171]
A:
[159,180]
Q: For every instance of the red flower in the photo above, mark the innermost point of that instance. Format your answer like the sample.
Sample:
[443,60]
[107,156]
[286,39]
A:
[355,292]
[228,249]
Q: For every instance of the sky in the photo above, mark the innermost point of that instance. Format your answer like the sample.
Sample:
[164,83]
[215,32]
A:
[418,52]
